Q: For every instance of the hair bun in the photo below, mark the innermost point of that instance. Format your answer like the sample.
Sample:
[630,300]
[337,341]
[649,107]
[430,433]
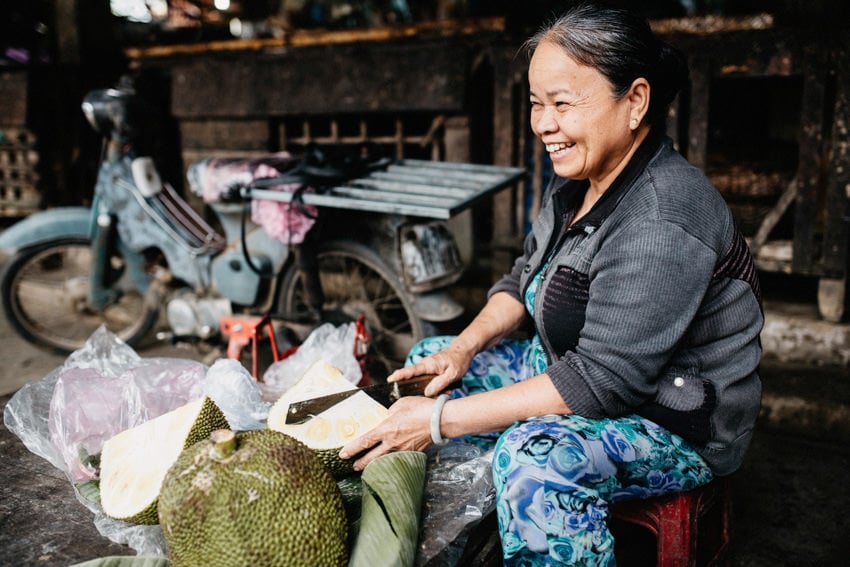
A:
[672,74]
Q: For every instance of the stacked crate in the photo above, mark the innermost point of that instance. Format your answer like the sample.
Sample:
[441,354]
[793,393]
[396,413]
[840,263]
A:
[18,158]
[18,154]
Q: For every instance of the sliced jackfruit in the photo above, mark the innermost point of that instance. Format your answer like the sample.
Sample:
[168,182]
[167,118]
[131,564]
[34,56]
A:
[252,498]
[328,431]
[134,462]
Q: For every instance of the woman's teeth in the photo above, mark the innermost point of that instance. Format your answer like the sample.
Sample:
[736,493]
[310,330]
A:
[552,148]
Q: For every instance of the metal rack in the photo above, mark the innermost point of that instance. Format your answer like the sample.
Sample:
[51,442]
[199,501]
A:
[419,188]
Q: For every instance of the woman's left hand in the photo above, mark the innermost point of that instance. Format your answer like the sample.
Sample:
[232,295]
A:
[406,428]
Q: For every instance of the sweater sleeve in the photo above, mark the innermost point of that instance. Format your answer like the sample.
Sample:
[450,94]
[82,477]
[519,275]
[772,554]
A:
[647,282]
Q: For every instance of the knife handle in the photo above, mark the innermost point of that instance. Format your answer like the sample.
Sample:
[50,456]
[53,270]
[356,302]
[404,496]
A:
[415,386]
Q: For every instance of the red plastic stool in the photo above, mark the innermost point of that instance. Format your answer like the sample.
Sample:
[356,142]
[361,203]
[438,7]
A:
[691,528]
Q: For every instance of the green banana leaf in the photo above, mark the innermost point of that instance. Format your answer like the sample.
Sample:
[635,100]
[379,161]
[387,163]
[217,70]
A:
[393,486]
[90,490]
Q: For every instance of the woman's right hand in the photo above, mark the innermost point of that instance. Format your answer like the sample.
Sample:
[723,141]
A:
[501,315]
[447,365]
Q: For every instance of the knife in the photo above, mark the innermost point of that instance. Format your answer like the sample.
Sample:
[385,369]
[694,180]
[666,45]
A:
[385,394]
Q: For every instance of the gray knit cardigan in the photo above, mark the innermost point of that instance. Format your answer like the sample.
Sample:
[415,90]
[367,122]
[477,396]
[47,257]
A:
[649,304]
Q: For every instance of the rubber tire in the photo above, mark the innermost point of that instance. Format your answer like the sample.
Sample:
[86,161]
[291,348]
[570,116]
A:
[39,334]
[291,307]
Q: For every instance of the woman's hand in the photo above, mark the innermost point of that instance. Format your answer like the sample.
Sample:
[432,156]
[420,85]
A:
[408,425]
[447,366]
[406,428]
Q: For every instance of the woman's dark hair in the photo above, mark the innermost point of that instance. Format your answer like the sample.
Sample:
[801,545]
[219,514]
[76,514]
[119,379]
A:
[619,43]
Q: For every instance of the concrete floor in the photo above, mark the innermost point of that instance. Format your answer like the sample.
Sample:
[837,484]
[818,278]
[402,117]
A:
[791,497]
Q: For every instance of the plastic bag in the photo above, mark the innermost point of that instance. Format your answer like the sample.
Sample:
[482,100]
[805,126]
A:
[459,492]
[237,394]
[333,344]
[215,178]
[90,405]
[104,388]
[63,415]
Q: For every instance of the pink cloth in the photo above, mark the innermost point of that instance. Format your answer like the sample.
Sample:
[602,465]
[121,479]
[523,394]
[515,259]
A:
[286,222]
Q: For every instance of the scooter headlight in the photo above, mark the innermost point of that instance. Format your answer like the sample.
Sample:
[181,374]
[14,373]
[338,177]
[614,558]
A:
[430,257]
[106,110]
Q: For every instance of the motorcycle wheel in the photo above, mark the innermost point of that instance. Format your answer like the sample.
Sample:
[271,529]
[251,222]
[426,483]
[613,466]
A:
[355,281]
[44,292]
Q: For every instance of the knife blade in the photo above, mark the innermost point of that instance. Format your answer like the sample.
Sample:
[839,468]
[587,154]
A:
[385,394]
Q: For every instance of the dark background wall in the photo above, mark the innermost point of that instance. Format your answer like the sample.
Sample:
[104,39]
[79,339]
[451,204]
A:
[765,116]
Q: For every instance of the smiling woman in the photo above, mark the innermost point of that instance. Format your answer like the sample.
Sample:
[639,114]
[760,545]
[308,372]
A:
[641,376]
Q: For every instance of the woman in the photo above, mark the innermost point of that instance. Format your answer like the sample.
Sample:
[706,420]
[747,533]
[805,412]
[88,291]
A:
[641,377]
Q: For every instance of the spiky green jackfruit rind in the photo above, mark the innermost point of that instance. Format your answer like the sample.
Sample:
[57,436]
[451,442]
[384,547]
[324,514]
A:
[269,502]
[208,419]
[338,468]
[147,516]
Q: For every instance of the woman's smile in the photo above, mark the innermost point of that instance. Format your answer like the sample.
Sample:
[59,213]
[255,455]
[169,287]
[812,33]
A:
[558,149]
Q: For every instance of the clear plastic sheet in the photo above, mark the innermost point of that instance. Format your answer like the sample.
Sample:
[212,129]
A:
[459,492]
[90,405]
[236,393]
[333,344]
[66,416]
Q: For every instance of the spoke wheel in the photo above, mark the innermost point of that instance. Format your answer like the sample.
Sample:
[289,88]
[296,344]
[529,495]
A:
[355,281]
[45,291]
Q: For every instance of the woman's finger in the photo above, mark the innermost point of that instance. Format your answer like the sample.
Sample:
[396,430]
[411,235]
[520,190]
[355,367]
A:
[359,445]
[428,365]
[365,459]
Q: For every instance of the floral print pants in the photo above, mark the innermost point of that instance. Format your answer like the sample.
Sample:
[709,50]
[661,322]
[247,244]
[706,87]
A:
[555,475]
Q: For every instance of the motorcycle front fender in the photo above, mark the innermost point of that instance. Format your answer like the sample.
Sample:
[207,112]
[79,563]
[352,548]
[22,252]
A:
[52,224]
[436,306]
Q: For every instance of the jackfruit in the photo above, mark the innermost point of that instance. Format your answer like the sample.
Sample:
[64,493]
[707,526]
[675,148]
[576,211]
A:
[134,462]
[328,431]
[252,498]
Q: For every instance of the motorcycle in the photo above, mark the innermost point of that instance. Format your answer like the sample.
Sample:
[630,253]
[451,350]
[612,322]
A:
[141,250]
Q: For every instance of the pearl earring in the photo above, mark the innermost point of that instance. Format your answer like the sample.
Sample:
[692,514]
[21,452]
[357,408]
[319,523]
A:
[634,123]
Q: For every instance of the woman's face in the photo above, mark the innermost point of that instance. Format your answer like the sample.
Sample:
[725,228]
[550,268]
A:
[573,111]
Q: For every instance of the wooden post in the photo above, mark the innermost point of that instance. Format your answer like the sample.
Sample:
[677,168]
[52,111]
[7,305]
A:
[834,288]
[507,150]
[697,143]
[67,32]
[457,143]
[810,167]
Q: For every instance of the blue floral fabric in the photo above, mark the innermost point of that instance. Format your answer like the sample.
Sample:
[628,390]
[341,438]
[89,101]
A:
[555,475]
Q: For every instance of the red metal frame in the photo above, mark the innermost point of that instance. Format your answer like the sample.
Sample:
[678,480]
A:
[243,331]
[248,330]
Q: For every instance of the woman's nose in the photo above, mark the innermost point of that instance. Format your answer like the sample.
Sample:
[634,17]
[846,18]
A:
[543,121]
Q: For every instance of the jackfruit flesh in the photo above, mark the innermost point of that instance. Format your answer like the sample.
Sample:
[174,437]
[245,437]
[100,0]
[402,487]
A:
[134,462]
[252,498]
[329,430]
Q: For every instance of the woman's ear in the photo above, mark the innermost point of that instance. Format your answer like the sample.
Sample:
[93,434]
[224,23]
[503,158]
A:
[638,97]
